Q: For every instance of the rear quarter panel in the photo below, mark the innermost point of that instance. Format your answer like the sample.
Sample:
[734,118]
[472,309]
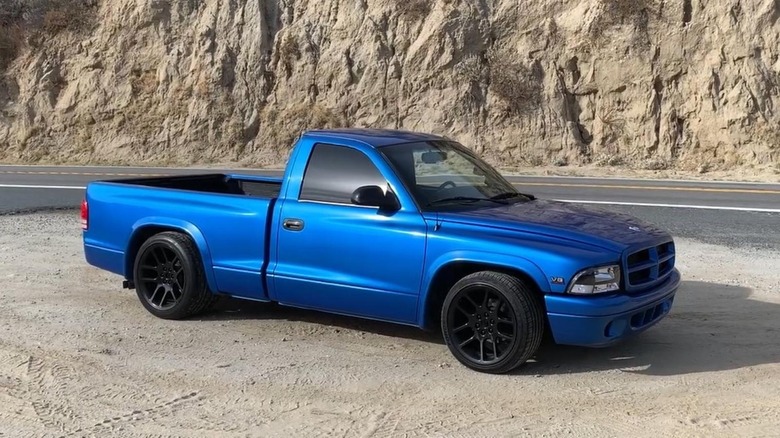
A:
[230,230]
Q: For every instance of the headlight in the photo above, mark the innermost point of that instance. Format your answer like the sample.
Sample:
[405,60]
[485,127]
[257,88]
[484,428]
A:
[596,280]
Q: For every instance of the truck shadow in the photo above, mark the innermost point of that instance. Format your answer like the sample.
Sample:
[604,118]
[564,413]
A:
[236,309]
[712,327]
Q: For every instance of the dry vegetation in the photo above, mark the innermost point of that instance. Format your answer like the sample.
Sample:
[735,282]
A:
[143,82]
[514,83]
[286,125]
[289,52]
[11,41]
[63,15]
[622,12]
[11,12]
[621,9]
[414,9]
[11,34]
[471,70]
[21,20]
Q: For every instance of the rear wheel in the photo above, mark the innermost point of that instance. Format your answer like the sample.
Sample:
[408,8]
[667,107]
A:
[492,322]
[169,278]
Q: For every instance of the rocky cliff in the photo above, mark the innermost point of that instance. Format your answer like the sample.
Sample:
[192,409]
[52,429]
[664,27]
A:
[687,84]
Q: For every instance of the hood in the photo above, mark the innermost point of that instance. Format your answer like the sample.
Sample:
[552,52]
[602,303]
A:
[588,225]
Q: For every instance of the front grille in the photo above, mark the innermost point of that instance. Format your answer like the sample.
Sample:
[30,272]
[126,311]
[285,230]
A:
[649,266]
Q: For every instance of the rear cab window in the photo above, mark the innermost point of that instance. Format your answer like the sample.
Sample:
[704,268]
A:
[334,172]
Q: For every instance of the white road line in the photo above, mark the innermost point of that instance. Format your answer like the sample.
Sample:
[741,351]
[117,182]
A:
[695,207]
[651,180]
[572,201]
[28,186]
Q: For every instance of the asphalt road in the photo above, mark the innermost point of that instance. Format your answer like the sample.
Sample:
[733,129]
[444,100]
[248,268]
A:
[736,214]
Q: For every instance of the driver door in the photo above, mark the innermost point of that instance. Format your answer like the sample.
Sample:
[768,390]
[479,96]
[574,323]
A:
[340,257]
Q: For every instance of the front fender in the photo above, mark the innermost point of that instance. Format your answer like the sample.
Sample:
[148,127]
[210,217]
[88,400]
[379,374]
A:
[496,260]
[175,225]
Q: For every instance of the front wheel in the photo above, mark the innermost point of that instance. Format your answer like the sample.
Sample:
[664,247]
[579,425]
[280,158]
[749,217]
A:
[169,277]
[492,322]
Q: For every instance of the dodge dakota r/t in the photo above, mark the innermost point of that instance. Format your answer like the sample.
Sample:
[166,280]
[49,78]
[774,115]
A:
[397,226]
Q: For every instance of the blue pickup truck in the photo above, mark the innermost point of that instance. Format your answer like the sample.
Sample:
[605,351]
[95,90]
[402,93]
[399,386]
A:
[396,226]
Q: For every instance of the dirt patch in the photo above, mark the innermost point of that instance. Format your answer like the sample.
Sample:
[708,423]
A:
[80,357]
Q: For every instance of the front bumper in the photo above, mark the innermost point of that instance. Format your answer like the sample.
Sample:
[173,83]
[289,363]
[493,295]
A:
[603,321]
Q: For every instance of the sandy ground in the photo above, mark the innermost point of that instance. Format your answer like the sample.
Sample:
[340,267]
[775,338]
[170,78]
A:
[80,357]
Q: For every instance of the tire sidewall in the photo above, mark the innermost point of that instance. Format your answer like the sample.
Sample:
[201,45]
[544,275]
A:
[189,263]
[520,326]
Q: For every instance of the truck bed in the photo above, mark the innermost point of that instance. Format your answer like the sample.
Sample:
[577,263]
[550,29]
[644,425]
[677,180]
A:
[229,216]
[256,186]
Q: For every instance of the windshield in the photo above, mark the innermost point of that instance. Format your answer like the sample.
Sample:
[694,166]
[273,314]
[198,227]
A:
[445,175]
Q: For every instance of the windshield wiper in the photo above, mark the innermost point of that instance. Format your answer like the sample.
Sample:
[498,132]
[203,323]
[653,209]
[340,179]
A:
[464,199]
[509,195]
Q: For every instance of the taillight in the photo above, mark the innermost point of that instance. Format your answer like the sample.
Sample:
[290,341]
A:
[84,215]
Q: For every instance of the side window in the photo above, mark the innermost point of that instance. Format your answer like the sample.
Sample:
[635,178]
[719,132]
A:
[334,172]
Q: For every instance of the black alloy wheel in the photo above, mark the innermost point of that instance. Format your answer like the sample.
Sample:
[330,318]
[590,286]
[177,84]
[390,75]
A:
[483,325]
[162,278]
[169,277]
[492,322]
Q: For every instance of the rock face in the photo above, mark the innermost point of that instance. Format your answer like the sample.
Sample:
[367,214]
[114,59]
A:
[688,84]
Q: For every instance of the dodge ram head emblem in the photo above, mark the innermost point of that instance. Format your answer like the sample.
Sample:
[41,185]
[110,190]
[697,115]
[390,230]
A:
[633,228]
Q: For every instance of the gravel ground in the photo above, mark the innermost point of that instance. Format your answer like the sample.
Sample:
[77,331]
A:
[79,356]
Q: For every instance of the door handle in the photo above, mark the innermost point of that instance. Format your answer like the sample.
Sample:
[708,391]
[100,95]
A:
[292,224]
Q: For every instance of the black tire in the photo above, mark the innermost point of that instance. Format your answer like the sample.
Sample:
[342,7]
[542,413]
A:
[478,315]
[169,277]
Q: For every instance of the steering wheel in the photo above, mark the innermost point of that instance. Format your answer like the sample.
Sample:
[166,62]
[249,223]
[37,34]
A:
[447,183]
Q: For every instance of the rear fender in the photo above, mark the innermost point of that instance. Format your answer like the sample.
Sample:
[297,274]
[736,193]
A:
[170,224]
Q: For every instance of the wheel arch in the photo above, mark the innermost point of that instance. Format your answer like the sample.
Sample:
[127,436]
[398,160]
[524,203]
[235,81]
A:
[447,272]
[146,228]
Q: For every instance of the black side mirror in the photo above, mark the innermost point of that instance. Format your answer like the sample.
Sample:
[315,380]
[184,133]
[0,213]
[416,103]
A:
[374,196]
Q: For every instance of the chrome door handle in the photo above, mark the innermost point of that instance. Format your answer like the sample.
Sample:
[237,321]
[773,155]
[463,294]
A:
[292,224]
